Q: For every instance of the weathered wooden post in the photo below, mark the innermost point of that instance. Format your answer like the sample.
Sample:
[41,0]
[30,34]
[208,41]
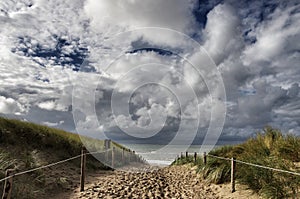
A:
[195,157]
[134,157]
[233,175]
[186,155]
[204,158]
[113,157]
[123,155]
[8,184]
[107,144]
[106,148]
[129,155]
[82,173]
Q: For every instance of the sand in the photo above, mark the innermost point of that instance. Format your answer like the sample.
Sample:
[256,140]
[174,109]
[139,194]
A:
[154,182]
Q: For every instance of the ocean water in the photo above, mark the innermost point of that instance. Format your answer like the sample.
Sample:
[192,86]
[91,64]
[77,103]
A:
[163,156]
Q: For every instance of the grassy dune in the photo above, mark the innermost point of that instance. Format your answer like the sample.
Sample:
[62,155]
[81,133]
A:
[25,145]
[269,148]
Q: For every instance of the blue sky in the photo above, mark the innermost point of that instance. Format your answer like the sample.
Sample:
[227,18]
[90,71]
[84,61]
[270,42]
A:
[129,70]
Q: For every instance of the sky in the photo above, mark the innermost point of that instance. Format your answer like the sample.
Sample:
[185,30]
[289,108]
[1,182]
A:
[164,71]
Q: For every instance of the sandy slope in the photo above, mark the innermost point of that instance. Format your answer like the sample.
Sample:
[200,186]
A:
[170,182]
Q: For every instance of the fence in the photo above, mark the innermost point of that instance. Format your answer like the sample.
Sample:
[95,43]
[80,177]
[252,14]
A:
[233,166]
[113,157]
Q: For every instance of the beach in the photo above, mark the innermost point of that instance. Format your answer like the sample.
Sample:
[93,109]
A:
[162,155]
[154,182]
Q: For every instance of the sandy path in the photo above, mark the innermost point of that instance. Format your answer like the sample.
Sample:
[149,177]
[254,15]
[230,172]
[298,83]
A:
[170,182]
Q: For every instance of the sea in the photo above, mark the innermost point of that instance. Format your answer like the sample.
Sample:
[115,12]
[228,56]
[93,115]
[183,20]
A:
[160,155]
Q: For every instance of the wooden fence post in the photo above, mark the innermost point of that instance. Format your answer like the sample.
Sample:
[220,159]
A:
[204,158]
[82,174]
[109,143]
[232,175]
[7,184]
[134,157]
[186,154]
[123,156]
[113,157]
[106,148]
[195,157]
[128,155]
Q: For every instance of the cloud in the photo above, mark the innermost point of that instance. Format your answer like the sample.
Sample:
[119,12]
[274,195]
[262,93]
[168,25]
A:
[266,73]
[52,105]
[278,34]
[171,14]
[110,18]
[53,124]
[221,32]
[10,106]
[43,45]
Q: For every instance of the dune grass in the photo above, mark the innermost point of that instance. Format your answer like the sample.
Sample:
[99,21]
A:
[269,148]
[39,136]
[25,145]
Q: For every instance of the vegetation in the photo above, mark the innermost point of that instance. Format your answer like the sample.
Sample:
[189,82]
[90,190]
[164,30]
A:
[269,148]
[24,145]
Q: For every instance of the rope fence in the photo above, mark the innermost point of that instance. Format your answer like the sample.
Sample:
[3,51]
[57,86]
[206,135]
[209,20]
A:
[257,165]
[49,165]
[109,159]
[233,166]
[222,158]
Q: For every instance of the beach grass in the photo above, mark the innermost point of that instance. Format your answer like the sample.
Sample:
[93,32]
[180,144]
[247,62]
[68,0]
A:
[25,145]
[268,148]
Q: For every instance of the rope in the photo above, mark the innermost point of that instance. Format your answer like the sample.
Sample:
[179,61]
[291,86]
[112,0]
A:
[222,158]
[270,168]
[256,165]
[96,152]
[50,165]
